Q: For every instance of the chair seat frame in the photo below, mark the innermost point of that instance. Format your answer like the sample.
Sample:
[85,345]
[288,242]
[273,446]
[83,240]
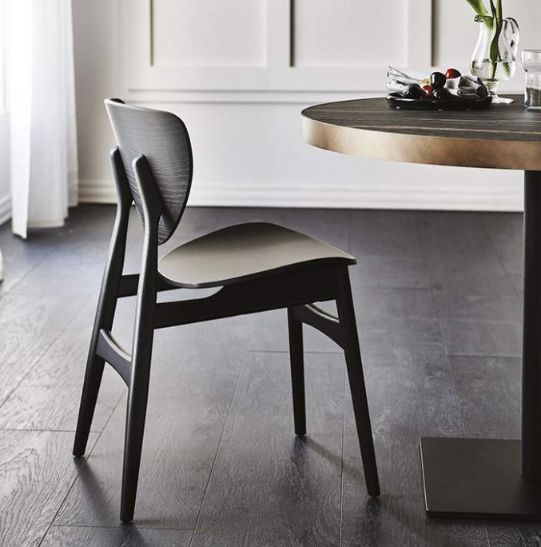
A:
[294,289]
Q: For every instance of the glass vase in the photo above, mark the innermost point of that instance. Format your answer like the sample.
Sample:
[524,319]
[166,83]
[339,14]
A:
[494,59]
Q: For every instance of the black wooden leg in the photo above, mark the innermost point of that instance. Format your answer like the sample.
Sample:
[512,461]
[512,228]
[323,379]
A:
[346,315]
[137,401]
[106,308]
[140,364]
[133,444]
[91,387]
[95,364]
[296,356]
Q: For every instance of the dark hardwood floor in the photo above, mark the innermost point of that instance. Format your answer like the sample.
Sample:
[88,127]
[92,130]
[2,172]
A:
[438,300]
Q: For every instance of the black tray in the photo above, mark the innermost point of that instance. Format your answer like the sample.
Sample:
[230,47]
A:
[396,100]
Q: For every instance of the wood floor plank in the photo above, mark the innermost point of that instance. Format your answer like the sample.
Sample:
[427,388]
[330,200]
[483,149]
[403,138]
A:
[482,338]
[267,487]
[123,536]
[386,333]
[20,256]
[393,303]
[48,396]
[392,272]
[460,255]
[489,393]
[427,283]
[506,232]
[514,534]
[268,332]
[193,378]
[411,395]
[385,234]
[35,313]
[388,249]
[479,305]
[36,472]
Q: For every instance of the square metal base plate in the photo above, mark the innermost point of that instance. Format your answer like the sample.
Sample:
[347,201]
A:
[477,478]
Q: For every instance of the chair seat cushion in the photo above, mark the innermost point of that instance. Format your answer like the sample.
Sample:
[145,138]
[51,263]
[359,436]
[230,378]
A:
[244,251]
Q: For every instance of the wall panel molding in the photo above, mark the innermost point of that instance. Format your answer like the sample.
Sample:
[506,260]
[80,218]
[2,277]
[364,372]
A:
[280,74]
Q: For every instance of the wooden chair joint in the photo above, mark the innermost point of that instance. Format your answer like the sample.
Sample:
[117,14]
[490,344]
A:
[111,351]
[320,320]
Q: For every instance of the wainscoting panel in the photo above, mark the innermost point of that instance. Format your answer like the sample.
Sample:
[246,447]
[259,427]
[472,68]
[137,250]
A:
[231,33]
[348,33]
[240,72]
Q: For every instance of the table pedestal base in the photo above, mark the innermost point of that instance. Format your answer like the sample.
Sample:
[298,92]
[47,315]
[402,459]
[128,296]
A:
[477,478]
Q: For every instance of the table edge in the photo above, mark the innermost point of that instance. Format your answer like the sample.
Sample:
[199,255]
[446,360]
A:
[423,149]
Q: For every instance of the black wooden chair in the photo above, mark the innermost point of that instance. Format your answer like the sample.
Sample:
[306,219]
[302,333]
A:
[258,266]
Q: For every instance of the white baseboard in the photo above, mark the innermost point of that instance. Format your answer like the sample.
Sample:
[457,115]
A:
[482,196]
[96,191]
[5,208]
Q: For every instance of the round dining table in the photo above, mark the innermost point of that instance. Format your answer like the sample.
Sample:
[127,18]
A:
[478,478]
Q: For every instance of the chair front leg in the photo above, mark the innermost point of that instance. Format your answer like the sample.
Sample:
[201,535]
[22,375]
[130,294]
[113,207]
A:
[296,356]
[137,400]
[346,316]
[142,338]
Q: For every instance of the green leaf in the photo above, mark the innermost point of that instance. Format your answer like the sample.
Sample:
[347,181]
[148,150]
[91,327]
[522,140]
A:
[479,7]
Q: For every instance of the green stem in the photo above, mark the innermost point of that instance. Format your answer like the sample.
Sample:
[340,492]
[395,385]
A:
[499,10]
[494,52]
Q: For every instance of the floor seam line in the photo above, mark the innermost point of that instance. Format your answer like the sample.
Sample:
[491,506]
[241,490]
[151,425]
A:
[218,445]
[77,473]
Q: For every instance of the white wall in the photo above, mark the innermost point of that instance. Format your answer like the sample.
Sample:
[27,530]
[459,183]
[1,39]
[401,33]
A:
[239,73]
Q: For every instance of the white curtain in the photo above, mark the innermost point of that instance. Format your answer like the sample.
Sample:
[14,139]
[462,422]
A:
[41,104]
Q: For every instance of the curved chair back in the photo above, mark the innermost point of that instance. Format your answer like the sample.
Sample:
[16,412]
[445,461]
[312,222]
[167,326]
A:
[163,139]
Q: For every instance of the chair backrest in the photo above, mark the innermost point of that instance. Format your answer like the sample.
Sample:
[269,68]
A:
[163,139]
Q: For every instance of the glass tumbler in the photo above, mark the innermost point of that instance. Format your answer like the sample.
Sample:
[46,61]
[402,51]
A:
[531,61]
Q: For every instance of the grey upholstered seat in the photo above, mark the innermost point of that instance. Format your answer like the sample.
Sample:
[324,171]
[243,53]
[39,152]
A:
[245,251]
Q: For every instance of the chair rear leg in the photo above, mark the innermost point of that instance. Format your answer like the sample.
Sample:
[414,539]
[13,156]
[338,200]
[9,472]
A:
[91,387]
[346,315]
[106,307]
[95,364]
[296,356]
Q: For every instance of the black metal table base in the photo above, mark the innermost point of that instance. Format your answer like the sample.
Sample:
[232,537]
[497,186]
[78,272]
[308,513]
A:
[477,478]
[481,478]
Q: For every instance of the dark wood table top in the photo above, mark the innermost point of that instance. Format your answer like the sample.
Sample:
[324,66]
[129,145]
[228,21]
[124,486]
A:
[503,136]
